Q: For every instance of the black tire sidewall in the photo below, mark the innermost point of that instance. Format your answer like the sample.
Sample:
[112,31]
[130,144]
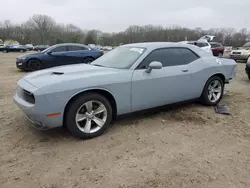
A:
[76,104]
[29,65]
[88,60]
[204,96]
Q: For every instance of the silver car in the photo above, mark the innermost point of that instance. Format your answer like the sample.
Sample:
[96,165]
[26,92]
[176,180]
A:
[86,98]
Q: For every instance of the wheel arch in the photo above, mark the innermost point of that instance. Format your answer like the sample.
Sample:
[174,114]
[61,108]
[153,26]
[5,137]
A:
[33,58]
[222,76]
[107,94]
[89,56]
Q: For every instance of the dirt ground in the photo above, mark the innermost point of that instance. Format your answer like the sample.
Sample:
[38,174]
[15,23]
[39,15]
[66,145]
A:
[188,146]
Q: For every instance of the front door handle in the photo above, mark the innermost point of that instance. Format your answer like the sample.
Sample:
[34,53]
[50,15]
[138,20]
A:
[184,70]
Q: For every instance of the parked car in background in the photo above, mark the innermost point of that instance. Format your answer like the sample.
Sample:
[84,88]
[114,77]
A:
[107,48]
[29,47]
[203,44]
[2,47]
[248,68]
[132,77]
[14,48]
[40,48]
[217,49]
[57,55]
[92,46]
[241,53]
[228,49]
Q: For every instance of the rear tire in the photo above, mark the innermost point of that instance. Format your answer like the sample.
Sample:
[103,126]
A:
[34,65]
[21,51]
[88,60]
[77,115]
[5,51]
[213,91]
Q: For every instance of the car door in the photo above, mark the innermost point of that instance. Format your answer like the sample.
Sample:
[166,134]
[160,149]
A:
[57,57]
[161,86]
[76,54]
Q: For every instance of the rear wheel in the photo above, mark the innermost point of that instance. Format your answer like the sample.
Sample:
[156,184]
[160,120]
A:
[213,91]
[5,51]
[21,51]
[34,64]
[88,60]
[88,115]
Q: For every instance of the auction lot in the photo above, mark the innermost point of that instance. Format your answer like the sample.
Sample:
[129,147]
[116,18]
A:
[186,146]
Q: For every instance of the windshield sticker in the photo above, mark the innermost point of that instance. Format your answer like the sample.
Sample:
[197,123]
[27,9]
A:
[140,50]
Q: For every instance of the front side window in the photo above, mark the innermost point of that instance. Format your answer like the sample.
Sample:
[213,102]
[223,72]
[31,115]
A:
[121,57]
[169,57]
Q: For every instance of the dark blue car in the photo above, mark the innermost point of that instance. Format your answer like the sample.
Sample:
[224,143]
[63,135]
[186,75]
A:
[57,55]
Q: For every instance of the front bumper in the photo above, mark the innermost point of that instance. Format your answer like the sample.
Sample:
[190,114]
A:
[21,63]
[36,112]
[239,57]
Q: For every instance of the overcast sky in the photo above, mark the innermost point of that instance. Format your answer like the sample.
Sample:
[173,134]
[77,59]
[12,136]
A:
[117,15]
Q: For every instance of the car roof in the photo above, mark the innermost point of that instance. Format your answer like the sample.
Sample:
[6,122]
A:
[156,45]
[70,44]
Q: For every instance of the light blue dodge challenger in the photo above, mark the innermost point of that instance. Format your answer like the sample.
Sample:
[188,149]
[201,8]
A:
[86,98]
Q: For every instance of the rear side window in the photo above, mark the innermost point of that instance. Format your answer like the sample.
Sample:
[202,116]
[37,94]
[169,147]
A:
[60,49]
[215,45]
[188,56]
[76,48]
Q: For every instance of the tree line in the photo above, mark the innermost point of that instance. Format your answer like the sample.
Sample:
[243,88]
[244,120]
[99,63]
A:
[42,29]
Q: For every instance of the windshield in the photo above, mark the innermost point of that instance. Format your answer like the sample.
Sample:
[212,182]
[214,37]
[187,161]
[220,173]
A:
[47,48]
[121,57]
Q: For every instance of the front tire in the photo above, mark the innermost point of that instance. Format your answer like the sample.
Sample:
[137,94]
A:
[88,60]
[34,65]
[88,115]
[213,91]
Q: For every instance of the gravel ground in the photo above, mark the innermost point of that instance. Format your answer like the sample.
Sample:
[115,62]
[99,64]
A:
[186,146]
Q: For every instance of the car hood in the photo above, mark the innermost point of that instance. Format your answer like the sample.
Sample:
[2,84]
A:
[29,55]
[66,73]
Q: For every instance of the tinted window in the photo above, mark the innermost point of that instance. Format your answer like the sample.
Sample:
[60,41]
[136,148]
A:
[76,48]
[201,44]
[215,45]
[169,57]
[60,49]
[188,56]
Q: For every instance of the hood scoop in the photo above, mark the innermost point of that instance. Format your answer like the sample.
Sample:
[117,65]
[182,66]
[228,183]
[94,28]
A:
[57,73]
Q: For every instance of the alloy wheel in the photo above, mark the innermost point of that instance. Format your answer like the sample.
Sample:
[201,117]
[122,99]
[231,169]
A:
[91,116]
[214,91]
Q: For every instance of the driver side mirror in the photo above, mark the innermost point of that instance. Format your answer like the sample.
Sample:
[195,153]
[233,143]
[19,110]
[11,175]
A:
[49,53]
[154,65]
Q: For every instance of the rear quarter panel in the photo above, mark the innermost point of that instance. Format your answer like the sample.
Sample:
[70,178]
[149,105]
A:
[206,67]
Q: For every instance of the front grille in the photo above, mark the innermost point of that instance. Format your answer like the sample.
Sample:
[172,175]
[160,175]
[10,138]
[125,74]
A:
[26,95]
[236,52]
